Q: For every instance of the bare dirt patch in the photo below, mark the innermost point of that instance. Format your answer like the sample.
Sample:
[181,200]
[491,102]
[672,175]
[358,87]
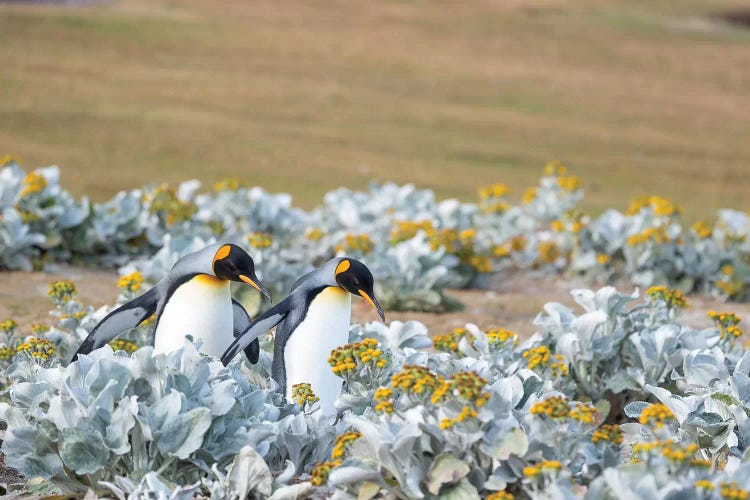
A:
[513,300]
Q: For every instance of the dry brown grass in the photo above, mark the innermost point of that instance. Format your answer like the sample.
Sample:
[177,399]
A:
[303,96]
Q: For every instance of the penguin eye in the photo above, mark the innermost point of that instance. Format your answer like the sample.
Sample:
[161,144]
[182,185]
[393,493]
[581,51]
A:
[356,281]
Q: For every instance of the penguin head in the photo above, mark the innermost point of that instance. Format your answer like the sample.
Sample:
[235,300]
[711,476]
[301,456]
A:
[355,278]
[233,263]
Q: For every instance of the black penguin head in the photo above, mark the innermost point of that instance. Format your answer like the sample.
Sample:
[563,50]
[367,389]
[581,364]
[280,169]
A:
[355,278]
[234,264]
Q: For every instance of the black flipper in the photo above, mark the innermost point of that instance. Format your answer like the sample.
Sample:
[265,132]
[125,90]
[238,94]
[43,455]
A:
[241,323]
[261,325]
[125,317]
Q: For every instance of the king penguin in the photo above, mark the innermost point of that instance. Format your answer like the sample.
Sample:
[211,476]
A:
[313,320]
[192,299]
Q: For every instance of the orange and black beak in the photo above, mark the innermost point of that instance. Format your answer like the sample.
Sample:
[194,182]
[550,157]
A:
[255,283]
[370,297]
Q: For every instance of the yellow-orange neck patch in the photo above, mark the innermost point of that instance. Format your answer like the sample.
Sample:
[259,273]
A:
[343,266]
[222,252]
[206,279]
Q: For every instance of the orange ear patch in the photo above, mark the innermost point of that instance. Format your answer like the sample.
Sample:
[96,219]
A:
[222,252]
[343,266]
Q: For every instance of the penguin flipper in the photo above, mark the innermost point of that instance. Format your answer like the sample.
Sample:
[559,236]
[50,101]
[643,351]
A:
[241,323]
[262,324]
[125,317]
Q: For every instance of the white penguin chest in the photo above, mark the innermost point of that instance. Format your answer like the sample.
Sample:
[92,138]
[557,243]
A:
[202,308]
[325,327]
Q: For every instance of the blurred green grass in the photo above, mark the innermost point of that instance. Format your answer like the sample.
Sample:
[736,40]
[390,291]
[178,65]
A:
[636,97]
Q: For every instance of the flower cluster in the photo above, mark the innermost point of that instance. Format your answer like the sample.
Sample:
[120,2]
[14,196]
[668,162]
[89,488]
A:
[406,230]
[492,198]
[260,240]
[33,183]
[732,491]
[448,342]
[62,291]
[165,203]
[672,298]
[540,358]
[348,359]
[8,327]
[230,184]
[609,433]
[343,442]
[546,466]
[500,495]
[727,323]
[656,414]
[416,381]
[123,345]
[383,398]
[303,395]
[39,349]
[553,407]
[130,283]
[359,243]
[468,386]
[583,412]
[500,338]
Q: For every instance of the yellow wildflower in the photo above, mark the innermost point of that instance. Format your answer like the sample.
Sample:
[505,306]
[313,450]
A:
[702,229]
[529,195]
[733,491]
[321,471]
[314,234]
[39,349]
[673,298]
[303,395]
[130,282]
[602,259]
[259,239]
[499,337]
[608,432]
[548,252]
[230,184]
[584,413]
[656,414]
[570,183]
[554,407]
[343,442]
[39,329]
[33,183]
[8,326]
[358,242]
[555,169]
[537,356]
[500,495]
[124,345]
[62,291]
[704,484]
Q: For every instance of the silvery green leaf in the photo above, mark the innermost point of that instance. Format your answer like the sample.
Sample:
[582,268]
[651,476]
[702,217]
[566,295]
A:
[182,434]
[248,473]
[445,470]
[292,492]
[28,450]
[634,409]
[351,474]
[83,452]
[511,442]
[464,490]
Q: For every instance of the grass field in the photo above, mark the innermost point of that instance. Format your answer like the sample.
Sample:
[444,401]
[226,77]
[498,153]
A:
[635,96]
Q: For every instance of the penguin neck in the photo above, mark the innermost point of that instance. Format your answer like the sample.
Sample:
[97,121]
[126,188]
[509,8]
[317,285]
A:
[324,327]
